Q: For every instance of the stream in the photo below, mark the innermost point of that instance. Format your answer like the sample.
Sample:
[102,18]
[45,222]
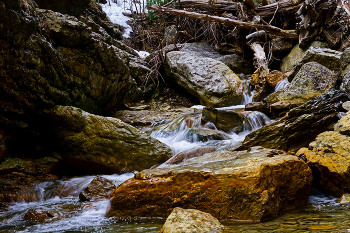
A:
[321,214]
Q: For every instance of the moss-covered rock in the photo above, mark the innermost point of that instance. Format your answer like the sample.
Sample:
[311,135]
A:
[96,144]
[311,81]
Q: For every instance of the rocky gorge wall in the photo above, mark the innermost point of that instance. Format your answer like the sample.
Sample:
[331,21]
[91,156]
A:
[50,58]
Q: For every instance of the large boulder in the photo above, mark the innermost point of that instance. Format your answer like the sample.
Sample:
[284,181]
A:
[98,189]
[189,221]
[210,80]
[236,63]
[245,185]
[48,59]
[292,59]
[329,158]
[301,125]
[97,144]
[324,56]
[311,81]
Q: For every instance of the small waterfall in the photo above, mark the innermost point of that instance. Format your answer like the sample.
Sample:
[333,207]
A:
[247,93]
[282,84]
[176,133]
[256,120]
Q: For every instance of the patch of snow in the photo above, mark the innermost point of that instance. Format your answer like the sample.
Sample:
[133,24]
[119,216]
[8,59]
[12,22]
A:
[142,54]
[115,13]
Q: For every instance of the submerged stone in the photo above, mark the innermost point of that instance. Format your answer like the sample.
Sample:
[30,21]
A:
[251,185]
[41,215]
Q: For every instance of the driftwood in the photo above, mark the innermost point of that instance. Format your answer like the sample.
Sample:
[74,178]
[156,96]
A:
[312,15]
[260,61]
[230,22]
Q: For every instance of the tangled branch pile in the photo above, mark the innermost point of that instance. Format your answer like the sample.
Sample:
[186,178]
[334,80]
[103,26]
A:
[269,30]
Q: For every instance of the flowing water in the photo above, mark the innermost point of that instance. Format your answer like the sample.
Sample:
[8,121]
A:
[321,214]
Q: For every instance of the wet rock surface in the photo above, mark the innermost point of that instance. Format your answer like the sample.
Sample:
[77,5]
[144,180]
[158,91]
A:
[274,77]
[40,215]
[204,135]
[189,154]
[247,185]
[211,81]
[191,220]
[301,125]
[226,120]
[146,119]
[97,144]
[98,189]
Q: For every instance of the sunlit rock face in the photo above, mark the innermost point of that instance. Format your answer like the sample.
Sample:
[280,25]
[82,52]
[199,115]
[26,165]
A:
[247,185]
[329,158]
[190,220]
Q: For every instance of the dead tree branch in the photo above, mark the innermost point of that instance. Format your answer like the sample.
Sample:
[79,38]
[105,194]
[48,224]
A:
[230,22]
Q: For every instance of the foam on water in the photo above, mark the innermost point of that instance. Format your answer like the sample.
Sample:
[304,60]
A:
[282,84]
[78,215]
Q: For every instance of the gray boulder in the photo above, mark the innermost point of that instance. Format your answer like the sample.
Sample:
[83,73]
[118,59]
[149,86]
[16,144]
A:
[211,81]
[324,56]
[293,58]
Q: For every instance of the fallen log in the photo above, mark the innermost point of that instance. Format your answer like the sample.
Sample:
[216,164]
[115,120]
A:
[217,6]
[285,7]
[268,11]
[230,22]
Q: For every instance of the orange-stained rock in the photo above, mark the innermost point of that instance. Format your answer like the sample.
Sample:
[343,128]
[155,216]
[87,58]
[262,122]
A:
[244,185]
[274,77]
